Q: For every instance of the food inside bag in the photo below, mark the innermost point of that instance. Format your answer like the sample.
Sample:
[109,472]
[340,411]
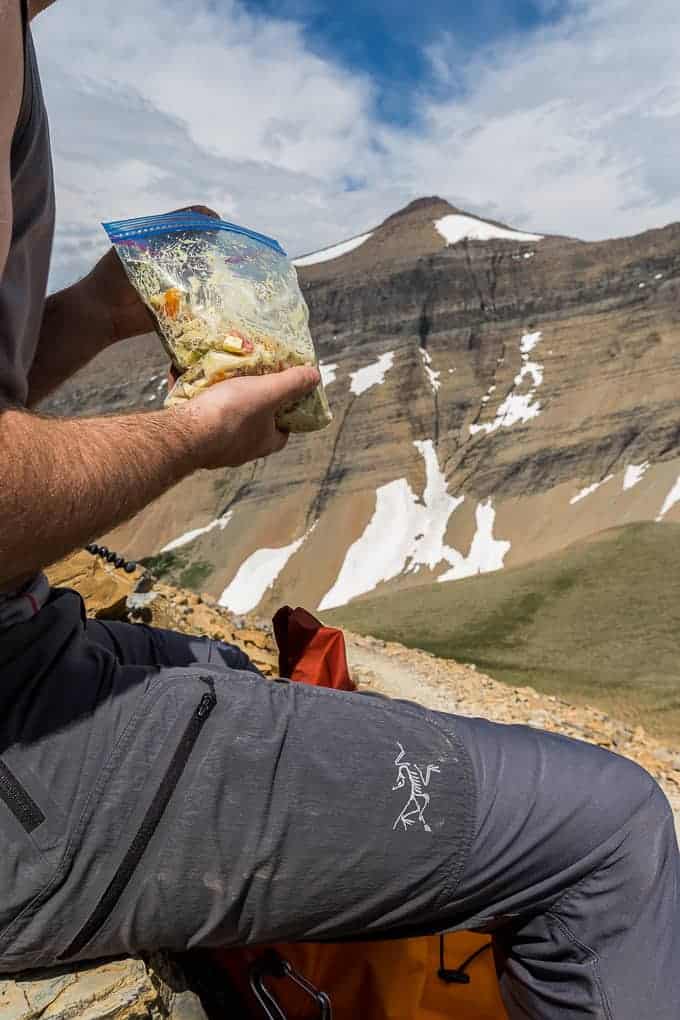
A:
[226,302]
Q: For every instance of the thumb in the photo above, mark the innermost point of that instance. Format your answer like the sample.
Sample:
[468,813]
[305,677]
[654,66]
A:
[292,384]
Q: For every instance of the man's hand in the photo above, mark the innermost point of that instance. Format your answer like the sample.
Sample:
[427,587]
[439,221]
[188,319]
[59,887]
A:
[85,318]
[113,300]
[233,422]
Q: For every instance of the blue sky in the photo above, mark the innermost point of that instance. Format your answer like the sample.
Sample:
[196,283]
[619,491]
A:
[313,120]
[388,39]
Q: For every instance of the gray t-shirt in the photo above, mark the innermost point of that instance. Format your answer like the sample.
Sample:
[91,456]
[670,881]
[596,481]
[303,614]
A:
[23,283]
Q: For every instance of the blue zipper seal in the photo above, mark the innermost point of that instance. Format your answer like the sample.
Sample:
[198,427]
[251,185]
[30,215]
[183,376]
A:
[171,223]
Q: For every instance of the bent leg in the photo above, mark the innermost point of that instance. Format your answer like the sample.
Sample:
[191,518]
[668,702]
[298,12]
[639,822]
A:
[610,947]
[135,644]
[297,813]
[276,811]
[575,868]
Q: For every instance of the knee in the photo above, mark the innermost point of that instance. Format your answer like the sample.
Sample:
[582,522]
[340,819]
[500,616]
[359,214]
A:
[656,814]
[634,803]
[650,844]
[634,790]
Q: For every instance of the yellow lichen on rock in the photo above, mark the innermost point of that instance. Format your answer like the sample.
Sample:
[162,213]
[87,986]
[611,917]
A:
[103,587]
[111,593]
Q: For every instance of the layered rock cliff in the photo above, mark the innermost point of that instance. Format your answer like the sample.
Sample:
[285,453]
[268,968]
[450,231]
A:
[497,396]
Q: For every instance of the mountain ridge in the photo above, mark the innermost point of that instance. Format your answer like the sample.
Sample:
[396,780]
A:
[479,387]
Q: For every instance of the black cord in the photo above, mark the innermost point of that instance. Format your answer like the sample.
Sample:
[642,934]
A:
[457,976]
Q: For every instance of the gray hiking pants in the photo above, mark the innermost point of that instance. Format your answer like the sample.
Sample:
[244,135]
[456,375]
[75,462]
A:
[155,791]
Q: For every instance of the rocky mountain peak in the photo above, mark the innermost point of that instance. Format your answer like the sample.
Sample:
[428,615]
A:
[423,228]
[429,207]
[407,232]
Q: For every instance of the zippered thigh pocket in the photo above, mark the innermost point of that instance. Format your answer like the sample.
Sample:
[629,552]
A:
[144,833]
[18,800]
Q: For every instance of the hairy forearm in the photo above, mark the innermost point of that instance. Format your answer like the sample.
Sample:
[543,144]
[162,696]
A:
[73,332]
[65,482]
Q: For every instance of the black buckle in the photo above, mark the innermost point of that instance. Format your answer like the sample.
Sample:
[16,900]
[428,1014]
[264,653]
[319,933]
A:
[457,975]
[271,964]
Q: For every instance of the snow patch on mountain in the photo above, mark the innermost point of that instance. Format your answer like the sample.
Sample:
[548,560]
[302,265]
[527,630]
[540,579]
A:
[372,375]
[256,575]
[190,536]
[432,376]
[518,407]
[428,547]
[382,551]
[671,499]
[486,552]
[589,490]
[634,474]
[328,371]
[406,533]
[458,227]
[326,254]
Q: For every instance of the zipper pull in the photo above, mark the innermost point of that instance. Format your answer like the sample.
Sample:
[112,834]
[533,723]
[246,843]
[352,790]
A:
[206,705]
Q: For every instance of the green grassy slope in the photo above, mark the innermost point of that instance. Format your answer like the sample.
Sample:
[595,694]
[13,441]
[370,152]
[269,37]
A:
[598,623]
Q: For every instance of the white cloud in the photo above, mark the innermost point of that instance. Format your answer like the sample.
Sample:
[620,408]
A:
[574,129]
[158,105]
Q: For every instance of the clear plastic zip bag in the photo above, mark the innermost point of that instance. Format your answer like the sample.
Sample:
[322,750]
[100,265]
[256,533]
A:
[226,302]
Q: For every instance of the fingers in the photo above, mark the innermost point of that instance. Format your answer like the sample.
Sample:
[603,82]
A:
[235,420]
[252,394]
[206,210]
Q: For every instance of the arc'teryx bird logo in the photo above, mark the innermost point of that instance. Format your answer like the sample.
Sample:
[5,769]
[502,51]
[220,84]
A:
[411,775]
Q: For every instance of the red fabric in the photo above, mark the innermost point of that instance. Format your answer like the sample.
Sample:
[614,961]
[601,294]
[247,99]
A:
[309,652]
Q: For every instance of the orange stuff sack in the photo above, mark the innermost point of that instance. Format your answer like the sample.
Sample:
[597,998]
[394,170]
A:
[391,980]
[310,653]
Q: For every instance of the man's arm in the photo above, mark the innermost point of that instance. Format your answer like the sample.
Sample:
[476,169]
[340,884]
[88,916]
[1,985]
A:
[71,335]
[78,324]
[64,482]
[82,320]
